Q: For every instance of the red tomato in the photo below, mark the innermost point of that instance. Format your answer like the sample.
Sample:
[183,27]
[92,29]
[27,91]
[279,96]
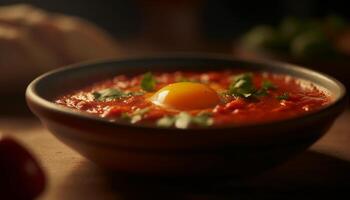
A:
[21,177]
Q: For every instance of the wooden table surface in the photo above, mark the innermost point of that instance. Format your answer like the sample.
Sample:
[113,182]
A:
[321,172]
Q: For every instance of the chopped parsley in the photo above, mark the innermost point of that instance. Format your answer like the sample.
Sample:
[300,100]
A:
[183,120]
[148,82]
[166,121]
[110,94]
[268,85]
[203,119]
[265,87]
[284,96]
[135,116]
[242,86]
[135,93]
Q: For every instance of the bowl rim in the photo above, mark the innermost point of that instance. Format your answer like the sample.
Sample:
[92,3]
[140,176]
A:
[32,95]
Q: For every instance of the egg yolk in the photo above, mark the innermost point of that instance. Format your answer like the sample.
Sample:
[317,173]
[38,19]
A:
[186,96]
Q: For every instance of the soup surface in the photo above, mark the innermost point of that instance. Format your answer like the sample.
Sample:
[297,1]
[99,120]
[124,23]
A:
[198,99]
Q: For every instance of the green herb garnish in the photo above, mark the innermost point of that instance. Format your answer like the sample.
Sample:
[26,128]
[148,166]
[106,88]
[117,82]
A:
[183,120]
[110,94]
[265,87]
[148,82]
[283,96]
[125,116]
[136,93]
[134,116]
[166,121]
[242,86]
[268,85]
[203,119]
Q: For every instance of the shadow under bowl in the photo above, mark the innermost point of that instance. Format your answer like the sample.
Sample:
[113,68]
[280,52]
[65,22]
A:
[234,151]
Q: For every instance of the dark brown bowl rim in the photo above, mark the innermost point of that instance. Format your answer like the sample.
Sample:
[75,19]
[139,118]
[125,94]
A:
[337,105]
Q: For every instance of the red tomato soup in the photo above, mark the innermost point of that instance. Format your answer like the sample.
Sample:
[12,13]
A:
[199,99]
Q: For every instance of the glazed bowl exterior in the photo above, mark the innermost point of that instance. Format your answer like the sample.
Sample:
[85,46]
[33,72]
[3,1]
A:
[235,151]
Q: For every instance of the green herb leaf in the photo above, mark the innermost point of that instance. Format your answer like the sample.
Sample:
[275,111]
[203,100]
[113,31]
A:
[283,96]
[242,86]
[138,114]
[268,85]
[136,93]
[135,119]
[108,94]
[125,116]
[135,116]
[265,87]
[166,121]
[261,92]
[183,120]
[203,119]
[148,82]
[141,111]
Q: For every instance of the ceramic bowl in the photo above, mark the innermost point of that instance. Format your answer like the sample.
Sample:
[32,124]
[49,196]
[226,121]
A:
[234,151]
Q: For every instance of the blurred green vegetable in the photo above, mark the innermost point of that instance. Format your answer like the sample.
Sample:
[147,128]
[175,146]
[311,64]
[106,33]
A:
[284,96]
[312,44]
[334,24]
[264,37]
[301,38]
[290,27]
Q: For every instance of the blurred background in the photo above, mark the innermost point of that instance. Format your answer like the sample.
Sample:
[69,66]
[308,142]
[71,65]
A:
[37,36]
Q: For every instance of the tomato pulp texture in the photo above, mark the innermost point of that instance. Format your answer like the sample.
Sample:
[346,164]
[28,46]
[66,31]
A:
[191,99]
